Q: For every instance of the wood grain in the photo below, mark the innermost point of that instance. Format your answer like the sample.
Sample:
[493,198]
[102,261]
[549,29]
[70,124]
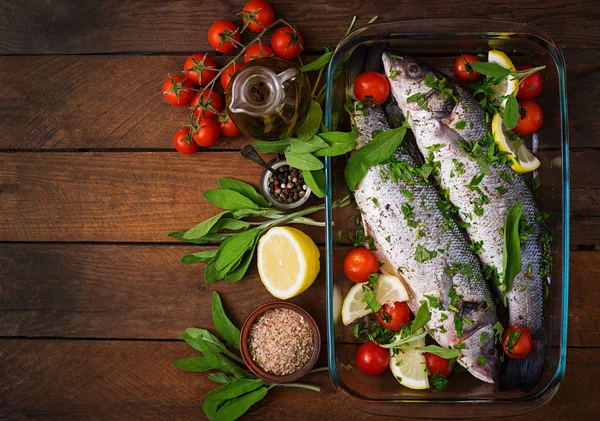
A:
[115,380]
[74,27]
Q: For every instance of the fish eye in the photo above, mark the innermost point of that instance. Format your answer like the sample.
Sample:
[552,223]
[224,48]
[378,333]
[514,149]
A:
[492,351]
[413,69]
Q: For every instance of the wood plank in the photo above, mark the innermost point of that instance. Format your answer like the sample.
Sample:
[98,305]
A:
[114,380]
[73,27]
[114,102]
[125,291]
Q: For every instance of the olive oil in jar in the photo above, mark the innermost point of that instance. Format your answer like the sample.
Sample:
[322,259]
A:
[268,98]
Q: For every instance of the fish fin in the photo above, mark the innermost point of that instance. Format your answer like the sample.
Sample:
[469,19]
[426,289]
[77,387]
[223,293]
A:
[525,373]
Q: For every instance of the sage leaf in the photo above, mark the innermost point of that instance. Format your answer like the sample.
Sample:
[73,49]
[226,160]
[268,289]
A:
[198,257]
[221,378]
[339,143]
[230,224]
[234,248]
[211,274]
[274,146]
[210,408]
[307,146]
[244,189]
[228,331]
[438,350]
[315,180]
[511,251]
[204,227]
[318,64]
[244,213]
[421,318]
[490,69]
[234,409]
[239,272]
[229,199]
[303,161]
[511,113]
[234,389]
[210,362]
[311,123]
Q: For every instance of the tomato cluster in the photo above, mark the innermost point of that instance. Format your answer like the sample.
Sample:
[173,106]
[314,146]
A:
[195,87]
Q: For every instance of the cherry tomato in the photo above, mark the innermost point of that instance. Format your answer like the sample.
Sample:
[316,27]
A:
[220,35]
[436,364]
[260,13]
[197,69]
[287,43]
[206,133]
[359,264]
[257,51]
[228,127]
[176,91]
[211,98]
[228,74]
[393,316]
[516,342]
[371,358]
[371,88]
[533,119]
[183,142]
[463,69]
[531,86]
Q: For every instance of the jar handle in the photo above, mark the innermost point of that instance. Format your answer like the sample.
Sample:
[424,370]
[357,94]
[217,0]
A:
[287,75]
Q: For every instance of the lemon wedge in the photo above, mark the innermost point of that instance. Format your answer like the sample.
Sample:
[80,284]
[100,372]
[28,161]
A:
[523,160]
[510,84]
[409,367]
[288,261]
[389,289]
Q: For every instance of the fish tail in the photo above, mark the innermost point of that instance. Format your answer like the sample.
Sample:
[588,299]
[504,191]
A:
[525,373]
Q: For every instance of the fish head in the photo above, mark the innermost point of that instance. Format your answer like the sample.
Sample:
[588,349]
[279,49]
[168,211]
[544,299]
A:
[481,356]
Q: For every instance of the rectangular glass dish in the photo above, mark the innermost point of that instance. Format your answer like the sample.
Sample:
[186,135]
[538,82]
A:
[437,43]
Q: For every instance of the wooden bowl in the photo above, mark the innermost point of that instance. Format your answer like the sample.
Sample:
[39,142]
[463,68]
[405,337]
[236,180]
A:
[258,371]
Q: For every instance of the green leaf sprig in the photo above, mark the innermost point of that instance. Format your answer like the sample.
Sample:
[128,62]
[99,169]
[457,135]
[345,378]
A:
[415,331]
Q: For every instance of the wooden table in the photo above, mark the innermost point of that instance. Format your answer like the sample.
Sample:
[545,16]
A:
[92,296]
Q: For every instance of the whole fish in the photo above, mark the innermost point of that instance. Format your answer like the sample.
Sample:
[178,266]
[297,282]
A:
[483,198]
[435,264]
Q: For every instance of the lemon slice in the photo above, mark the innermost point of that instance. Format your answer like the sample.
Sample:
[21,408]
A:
[525,161]
[389,289]
[288,261]
[409,368]
[510,84]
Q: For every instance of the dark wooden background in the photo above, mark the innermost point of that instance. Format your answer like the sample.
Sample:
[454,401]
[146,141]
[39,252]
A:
[92,296]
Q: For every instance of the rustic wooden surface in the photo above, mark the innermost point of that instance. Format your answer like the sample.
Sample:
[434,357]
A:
[92,296]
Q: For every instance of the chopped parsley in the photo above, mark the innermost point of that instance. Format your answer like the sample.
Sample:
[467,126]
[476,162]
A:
[419,99]
[408,195]
[498,330]
[440,85]
[369,293]
[438,382]
[484,336]
[375,201]
[388,238]
[434,302]
[481,360]
[423,255]
[476,247]
[460,124]
[460,345]
[361,239]
[535,185]
[501,189]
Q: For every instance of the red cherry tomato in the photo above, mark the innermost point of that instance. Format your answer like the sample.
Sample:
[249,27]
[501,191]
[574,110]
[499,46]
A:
[393,316]
[176,91]
[371,88]
[211,98]
[437,364]
[257,51]
[260,13]
[516,342]
[197,69]
[463,69]
[206,133]
[183,142]
[533,119]
[371,358]
[287,43]
[220,35]
[531,86]
[359,264]
[228,74]
[228,127]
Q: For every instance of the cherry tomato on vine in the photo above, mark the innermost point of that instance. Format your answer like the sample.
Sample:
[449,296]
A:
[531,118]
[199,69]
[393,316]
[531,86]
[516,342]
[259,13]
[228,74]
[437,364]
[221,34]
[463,69]
[287,43]
[371,88]
[206,133]
[228,127]
[359,264]
[183,142]
[371,358]
[211,98]
[257,51]
[176,91]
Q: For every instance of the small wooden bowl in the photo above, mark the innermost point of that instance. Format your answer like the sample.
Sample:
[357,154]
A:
[258,371]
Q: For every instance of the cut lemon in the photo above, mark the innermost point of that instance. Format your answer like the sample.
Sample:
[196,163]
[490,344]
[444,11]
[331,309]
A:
[523,160]
[389,289]
[288,261]
[409,368]
[510,84]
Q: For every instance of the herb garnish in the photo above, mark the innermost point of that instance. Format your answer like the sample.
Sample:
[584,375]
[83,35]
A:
[423,255]
[419,99]
[440,85]
[369,293]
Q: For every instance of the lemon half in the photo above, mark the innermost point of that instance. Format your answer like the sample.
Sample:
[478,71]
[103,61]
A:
[525,161]
[409,367]
[510,84]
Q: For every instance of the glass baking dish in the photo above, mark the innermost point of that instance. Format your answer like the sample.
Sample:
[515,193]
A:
[438,42]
